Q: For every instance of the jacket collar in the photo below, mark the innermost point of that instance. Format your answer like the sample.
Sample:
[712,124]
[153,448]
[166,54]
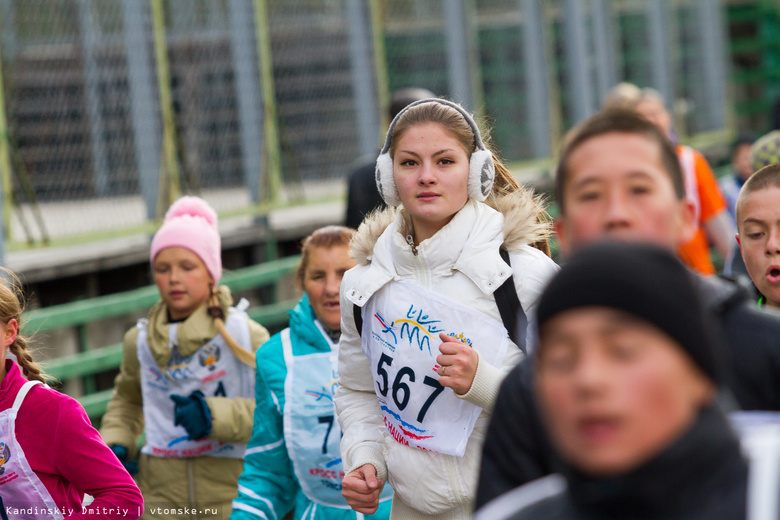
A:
[11,383]
[191,334]
[524,223]
[718,294]
[302,324]
[706,458]
[469,243]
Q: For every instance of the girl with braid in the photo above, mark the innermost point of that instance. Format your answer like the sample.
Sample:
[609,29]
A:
[187,378]
[50,455]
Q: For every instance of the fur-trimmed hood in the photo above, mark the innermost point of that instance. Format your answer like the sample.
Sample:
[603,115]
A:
[525,223]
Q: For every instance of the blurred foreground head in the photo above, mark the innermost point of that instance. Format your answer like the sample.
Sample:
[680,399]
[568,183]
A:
[626,357]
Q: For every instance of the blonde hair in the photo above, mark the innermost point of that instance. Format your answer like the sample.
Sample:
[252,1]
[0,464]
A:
[218,315]
[12,304]
[623,96]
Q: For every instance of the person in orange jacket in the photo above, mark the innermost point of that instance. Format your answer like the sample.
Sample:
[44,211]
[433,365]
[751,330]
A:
[715,225]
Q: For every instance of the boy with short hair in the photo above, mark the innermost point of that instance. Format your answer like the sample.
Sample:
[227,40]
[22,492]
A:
[758,225]
[714,224]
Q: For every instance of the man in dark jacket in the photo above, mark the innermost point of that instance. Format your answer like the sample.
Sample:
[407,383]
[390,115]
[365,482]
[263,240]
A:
[626,375]
[618,177]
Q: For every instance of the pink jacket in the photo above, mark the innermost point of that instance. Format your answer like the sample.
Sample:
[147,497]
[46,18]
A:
[67,453]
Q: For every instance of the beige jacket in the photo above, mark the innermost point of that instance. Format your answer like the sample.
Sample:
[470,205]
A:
[184,482]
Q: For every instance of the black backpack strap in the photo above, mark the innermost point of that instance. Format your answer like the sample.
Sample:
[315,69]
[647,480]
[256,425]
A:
[512,313]
[357,312]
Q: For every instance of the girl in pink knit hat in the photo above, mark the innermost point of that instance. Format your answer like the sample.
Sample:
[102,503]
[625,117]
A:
[187,377]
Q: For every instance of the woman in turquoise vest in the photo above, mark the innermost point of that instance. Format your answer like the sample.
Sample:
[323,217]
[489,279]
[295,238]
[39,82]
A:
[292,462]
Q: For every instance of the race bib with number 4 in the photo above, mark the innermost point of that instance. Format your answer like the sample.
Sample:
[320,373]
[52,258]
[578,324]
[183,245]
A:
[401,326]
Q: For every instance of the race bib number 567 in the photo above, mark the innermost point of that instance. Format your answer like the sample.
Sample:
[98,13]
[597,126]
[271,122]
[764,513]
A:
[402,323]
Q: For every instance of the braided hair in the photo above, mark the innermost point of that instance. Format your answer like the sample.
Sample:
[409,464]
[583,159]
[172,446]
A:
[11,306]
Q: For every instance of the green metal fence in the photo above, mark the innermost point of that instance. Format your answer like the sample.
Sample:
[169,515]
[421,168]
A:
[92,360]
[755,57]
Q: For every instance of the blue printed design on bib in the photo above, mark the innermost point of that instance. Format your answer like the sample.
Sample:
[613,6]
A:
[213,369]
[401,429]
[158,379]
[179,366]
[5,456]
[402,342]
[209,355]
[415,328]
[327,391]
[418,328]
[461,337]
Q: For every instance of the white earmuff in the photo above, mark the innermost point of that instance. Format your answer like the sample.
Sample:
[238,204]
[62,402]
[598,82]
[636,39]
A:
[482,171]
[385,182]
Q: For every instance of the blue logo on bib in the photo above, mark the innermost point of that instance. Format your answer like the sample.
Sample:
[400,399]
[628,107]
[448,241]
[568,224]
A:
[209,355]
[5,456]
[419,328]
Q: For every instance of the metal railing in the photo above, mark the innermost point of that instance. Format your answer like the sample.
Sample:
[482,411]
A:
[91,361]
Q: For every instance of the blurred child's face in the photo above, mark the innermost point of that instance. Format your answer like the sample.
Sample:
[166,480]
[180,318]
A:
[740,161]
[617,187]
[322,281]
[613,389]
[183,281]
[759,241]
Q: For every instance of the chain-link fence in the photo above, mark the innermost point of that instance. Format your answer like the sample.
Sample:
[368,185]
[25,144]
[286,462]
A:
[313,78]
[115,107]
[537,68]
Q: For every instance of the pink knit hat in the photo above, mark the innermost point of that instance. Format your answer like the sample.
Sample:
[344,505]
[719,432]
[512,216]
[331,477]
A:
[192,224]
